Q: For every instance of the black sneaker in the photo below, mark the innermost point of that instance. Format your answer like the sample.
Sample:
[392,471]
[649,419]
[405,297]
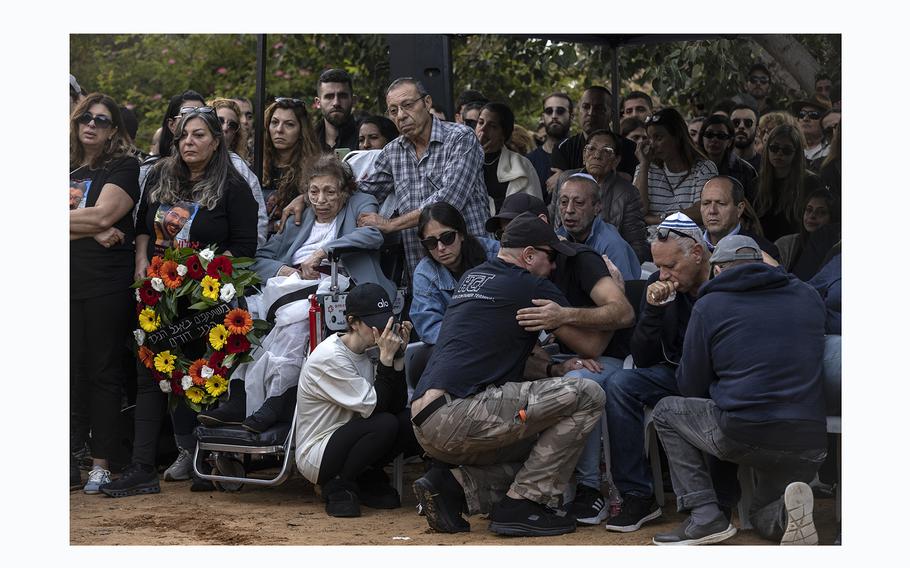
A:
[225,415]
[136,479]
[75,474]
[635,512]
[341,498]
[376,491]
[442,501]
[589,506]
[688,533]
[521,517]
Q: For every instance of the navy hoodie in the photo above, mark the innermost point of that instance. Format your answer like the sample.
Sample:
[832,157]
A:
[754,344]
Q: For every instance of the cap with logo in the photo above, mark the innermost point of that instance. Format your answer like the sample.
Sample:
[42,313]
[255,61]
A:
[528,230]
[513,206]
[370,303]
[735,247]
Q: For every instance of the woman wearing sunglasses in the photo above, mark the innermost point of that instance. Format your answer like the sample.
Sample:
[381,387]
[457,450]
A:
[289,142]
[715,139]
[198,178]
[451,252]
[104,187]
[784,183]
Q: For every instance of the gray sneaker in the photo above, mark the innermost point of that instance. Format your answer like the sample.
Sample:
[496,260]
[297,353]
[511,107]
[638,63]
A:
[182,467]
[96,478]
[688,533]
[800,526]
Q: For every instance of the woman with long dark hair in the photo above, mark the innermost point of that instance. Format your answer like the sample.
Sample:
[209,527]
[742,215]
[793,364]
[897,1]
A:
[104,187]
[803,253]
[374,132]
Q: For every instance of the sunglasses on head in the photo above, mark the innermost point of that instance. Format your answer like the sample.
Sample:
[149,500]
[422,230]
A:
[663,233]
[759,79]
[778,149]
[811,114]
[551,254]
[446,238]
[558,110]
[653,119]
[711,134]
[231,124]
[101,121]
[291,100]
[747,122]
[186,111]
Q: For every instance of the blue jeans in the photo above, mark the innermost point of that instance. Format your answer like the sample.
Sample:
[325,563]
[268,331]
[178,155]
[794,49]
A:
[688,428]
[831,370]
[587,470]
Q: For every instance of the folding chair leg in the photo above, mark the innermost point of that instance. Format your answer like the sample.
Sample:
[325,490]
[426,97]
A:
[398,473]
[652,451]
[747,485]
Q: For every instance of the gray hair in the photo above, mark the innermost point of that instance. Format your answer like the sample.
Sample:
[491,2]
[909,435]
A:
[421,90]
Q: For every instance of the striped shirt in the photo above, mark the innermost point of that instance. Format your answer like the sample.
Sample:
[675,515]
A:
[450,170]
[669,192]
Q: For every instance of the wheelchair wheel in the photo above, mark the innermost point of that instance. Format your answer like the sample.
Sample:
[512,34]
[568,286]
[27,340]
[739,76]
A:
[232,467]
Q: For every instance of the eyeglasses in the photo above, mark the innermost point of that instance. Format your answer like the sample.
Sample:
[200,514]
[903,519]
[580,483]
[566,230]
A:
[470,123]
[589,149]
[653,119]
[231,124]
[746,122]
[551,254]
[812,114]
[558,110]
[406,106]
[290,100]
[712,134]
[663,233]
[778,149]
[101,121]
[759,79]
[446,238]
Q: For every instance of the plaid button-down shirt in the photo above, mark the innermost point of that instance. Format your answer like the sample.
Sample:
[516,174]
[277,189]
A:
[450,170]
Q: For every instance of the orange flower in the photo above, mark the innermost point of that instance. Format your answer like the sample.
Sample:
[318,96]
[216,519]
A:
[195,371]
[238,321]
[169,276]
[147,356]
[153,270]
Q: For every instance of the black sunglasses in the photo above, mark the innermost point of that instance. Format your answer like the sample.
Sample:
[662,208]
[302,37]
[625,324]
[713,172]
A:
[778,149]
[747,122]
[663,233]
[711,134]
[551,254]
[558,110]
[291,100]
[231,124]
[446,238]
[812,114]
[759,79]
[101,121]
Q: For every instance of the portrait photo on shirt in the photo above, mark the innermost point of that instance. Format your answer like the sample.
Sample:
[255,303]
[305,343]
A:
[173,223]
[79,193]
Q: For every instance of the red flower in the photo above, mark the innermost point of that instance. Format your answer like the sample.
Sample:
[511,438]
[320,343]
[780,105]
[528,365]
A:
[220,264]
[149,295]
[194,268]
[217,359]
[237,344]
[176,387]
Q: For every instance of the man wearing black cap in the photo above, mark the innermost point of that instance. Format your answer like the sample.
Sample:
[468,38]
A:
[748,400]
[515,443]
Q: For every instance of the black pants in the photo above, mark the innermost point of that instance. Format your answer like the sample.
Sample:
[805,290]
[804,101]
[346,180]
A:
[367,442]
[99,329]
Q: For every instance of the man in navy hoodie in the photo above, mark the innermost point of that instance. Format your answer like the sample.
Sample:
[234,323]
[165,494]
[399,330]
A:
[750,376]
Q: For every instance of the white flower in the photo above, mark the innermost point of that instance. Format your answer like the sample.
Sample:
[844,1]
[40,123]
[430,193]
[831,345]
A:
[138,295]
[181,269]
[158,284]
[140,336]
[227,292]
[186,382]
[165,386]
[207,372]
[207,254]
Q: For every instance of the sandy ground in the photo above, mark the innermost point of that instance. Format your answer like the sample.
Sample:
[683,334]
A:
[293,514]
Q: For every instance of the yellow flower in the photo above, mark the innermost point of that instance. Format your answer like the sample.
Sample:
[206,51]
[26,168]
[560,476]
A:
[149,320]
[210,287]
[195,394]
[215,385]
[218,337]
[164,362]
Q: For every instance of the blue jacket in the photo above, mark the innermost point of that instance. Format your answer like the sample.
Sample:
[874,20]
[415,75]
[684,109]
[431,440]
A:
[828,284]
[433,286]
[755,342]
[605,239]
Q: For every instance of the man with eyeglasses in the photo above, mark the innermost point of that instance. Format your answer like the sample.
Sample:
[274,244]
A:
[470,112]
[335,98]
[745,126]
[506,446]
[758,85]
[557,120]
[465,97]
[681,256]
[809,114]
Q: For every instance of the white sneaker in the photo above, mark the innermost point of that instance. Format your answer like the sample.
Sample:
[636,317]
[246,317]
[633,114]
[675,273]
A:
[800,526]
[96,478]
[182,468]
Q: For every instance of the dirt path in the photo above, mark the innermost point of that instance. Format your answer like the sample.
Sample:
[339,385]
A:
[293,514]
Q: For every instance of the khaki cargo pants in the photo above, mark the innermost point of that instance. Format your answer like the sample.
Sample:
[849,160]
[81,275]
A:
[497,450]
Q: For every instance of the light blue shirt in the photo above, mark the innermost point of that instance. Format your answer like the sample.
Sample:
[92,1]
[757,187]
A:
[605,239]
[707,237]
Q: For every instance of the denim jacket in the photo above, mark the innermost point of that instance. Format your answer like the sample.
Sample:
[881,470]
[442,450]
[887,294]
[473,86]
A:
[433,286]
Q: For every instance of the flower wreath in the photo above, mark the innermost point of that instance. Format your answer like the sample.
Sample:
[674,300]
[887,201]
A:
[210,282]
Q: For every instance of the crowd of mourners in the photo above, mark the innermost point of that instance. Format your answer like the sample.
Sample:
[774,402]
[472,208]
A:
[564,287]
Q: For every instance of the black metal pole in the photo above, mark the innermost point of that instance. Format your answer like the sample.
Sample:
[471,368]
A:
[615,81]
[260,104]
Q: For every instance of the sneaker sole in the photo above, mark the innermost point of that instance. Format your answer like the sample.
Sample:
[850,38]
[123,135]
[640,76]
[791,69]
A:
[521,529]
[729,532]
[169,477]
[91,491]
[800,526]
[131,492]
[433,509]
[632,528]
[214,422]
[594,521]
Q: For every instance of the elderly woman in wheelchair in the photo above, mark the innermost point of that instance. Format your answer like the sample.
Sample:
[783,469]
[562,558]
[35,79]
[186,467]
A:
[263,391]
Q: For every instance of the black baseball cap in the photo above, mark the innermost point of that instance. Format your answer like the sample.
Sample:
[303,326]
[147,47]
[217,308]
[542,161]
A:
[370,303]
[513,206]
[528,230]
